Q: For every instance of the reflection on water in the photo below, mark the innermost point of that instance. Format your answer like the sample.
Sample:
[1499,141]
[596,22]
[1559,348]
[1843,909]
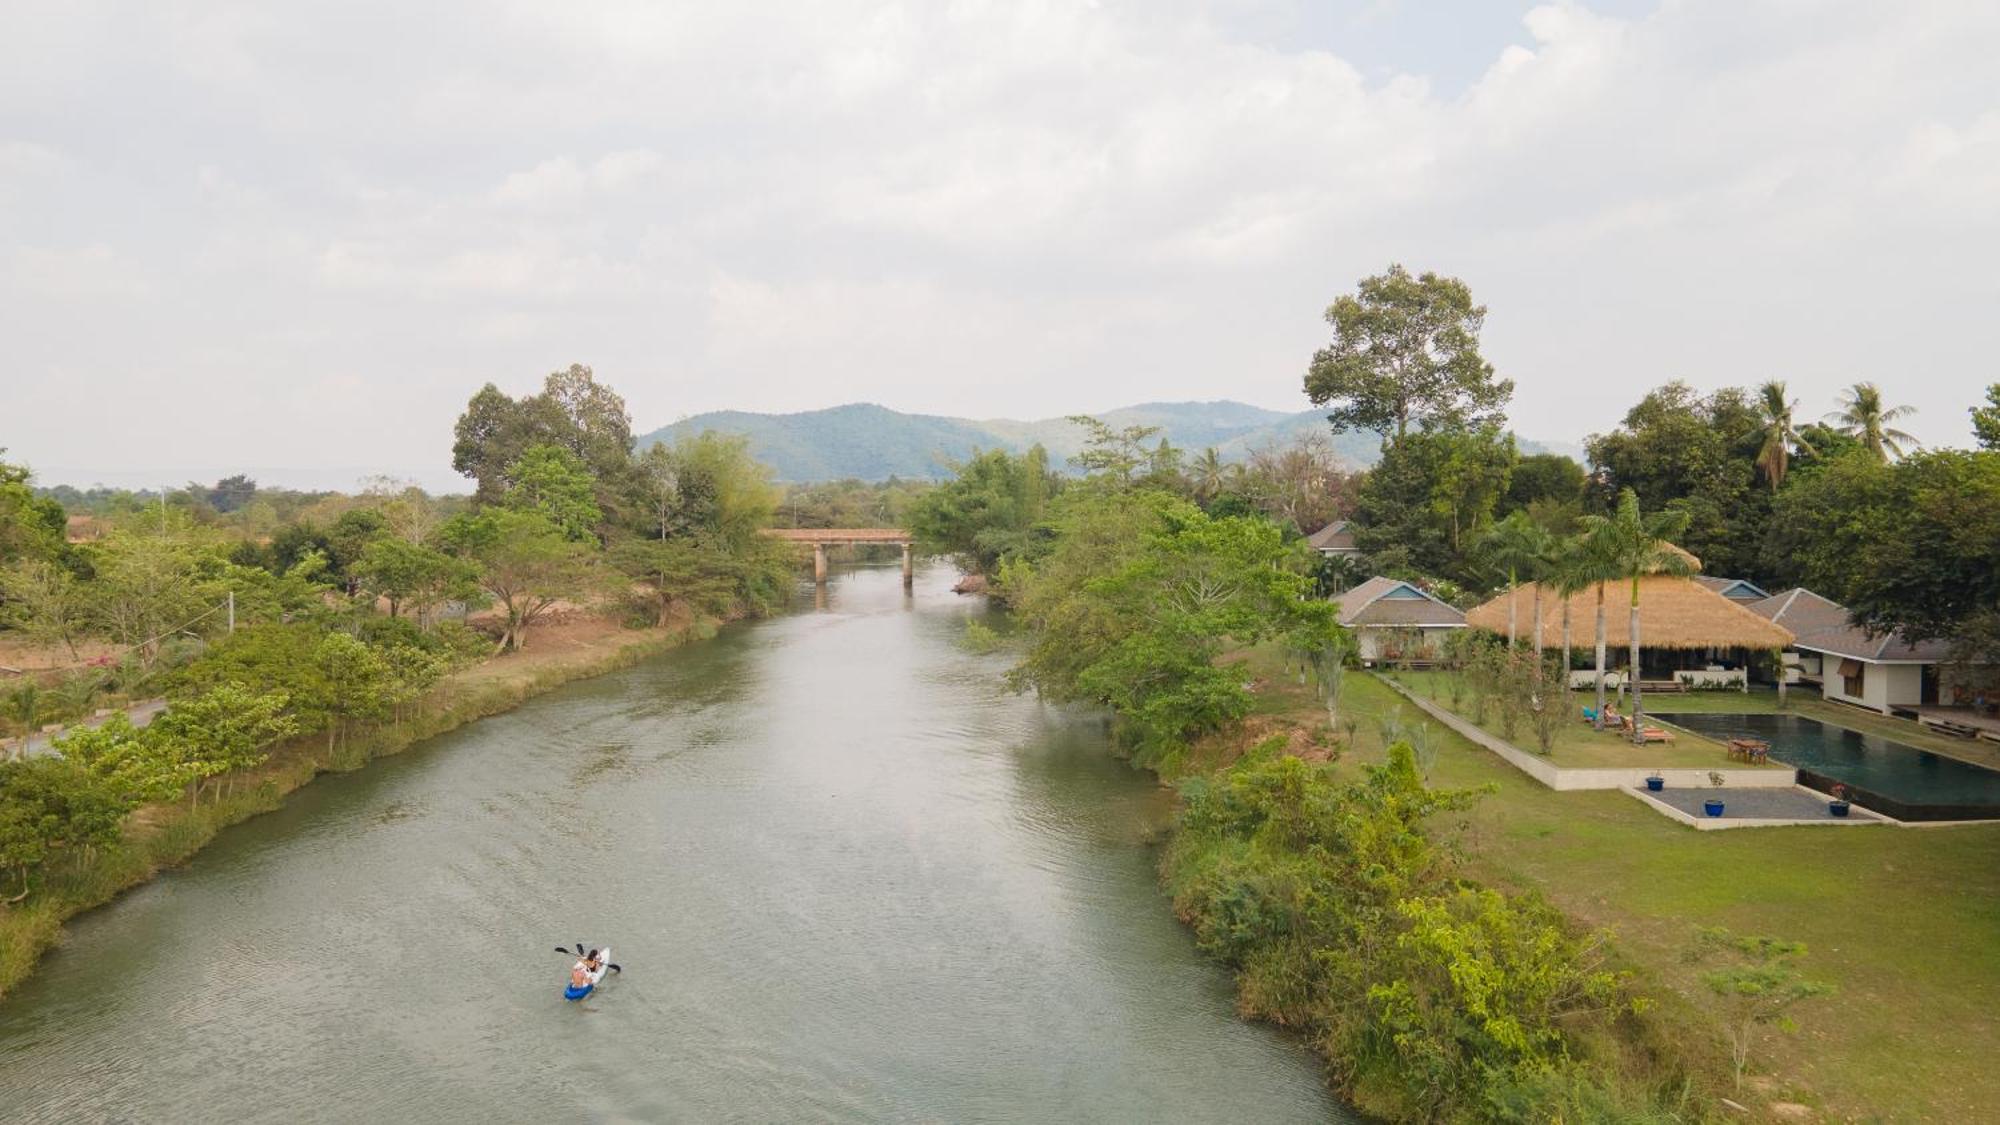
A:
[848,876]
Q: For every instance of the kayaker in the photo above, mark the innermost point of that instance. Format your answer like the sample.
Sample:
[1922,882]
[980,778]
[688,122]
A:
[579,974]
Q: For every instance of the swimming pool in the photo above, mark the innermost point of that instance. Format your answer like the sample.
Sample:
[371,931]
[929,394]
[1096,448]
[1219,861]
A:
[1901,780]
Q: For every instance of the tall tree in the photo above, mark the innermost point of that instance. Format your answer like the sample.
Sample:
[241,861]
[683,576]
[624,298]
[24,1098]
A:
[553,480]
[1112,453]
[1695,453]
[572,410]
[525,562]
[1986,420]
[1635,546]
[1863,417]
[1431,495]
[1780,437]
[1406,350]
[30,525]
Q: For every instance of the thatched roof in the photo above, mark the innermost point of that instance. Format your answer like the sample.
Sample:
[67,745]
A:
[1674,613]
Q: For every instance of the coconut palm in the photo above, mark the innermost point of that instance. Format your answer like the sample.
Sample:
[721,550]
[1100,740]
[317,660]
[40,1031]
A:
[1634,546]
[1774,456]
[1575,568]
[1862,417]
[1209,475]
[1520,548]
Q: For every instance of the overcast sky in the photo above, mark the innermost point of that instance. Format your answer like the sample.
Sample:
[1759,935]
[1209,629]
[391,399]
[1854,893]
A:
[300,236]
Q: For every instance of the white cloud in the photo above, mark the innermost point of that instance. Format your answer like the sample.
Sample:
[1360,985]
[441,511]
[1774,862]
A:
[980,208]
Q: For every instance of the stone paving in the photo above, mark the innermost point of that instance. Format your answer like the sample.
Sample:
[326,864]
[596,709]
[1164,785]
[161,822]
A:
[1757,804]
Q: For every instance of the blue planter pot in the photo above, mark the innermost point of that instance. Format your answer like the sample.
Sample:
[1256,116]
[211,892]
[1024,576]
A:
[1712,808]
[1656,783]
[1837,808]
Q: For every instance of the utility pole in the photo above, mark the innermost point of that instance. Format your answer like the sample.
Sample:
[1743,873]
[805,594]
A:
[232,613]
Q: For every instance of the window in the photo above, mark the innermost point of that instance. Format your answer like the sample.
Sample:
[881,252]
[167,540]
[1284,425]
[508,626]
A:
[1853,677]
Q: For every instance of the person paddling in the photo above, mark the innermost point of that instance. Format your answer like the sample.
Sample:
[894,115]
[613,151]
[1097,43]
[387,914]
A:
[581,974]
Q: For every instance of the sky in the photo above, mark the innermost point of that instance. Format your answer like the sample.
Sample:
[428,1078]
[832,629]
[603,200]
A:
[296,238]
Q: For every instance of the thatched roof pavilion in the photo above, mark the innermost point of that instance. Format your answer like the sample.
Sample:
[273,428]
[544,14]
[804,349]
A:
[1674,613]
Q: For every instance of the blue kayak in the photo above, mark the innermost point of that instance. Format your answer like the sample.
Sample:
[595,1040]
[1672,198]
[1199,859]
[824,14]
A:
[573,992]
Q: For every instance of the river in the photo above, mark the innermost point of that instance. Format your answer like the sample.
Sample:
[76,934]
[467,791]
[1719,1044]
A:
[848,876]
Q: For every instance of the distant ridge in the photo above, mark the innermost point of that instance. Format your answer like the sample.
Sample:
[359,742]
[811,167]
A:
[874,442]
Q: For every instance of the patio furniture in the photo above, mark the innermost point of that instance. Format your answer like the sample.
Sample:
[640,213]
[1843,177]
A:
[1649,734]
[1753,750]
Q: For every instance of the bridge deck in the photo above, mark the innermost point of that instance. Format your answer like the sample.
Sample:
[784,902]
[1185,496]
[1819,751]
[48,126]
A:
[832,535]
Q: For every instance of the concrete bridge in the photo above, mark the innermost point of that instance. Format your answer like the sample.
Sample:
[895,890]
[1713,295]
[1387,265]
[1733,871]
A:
[822,537]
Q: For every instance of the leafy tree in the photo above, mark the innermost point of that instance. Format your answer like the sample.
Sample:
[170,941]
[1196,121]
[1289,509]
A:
[1431,494]
[123,757]
[267,658]
[1913,546]
[30,526]
[1131,607]
[1863,417]
[1633,546]
[1697,454]
[987,513]
[1406,349]
[49,806]
[1300,484]
[555,482]
[1758,988]
[1114,454]
[45,602]
[525,563]
[573,410]
[677,572]
[406,572]
[1541,478]
[359,684]
[231,493]
[721,492]
[146,586]
[227,727]
[1986,420]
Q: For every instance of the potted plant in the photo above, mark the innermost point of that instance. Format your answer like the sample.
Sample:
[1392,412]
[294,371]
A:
[1654,782]
[1839,805]
[1713,806]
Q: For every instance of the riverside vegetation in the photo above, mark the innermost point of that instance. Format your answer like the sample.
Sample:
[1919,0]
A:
[315,647]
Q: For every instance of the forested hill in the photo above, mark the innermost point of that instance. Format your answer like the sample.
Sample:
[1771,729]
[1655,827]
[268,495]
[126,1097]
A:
[873,442]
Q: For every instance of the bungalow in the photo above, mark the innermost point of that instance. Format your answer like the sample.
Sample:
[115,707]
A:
[1690,635]
[1396,620]
[1882,672]
[1335,540]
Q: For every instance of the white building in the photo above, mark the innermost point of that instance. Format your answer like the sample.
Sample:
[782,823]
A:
[1395,620]
[1884,672]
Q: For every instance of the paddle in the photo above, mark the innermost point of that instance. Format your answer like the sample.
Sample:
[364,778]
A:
[580,952]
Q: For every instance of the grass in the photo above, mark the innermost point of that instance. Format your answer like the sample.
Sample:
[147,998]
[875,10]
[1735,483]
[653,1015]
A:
[160,836]
[1906,922]
[1577,745]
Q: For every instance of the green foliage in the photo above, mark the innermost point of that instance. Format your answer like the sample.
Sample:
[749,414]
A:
[987,513]
[1863,417]
[45,602]
[1345,919]
[573,411]
[1134,601]
[1544,478]
[412,574]
[1986,420]
[1682,451]
[1431,496]
[525,563]
[31,526]
[1757,987]
[980,637]
[554,481]
[1406,350]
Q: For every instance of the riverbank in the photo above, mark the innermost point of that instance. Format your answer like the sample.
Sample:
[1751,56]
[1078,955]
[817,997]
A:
[163,835]
[1901,921]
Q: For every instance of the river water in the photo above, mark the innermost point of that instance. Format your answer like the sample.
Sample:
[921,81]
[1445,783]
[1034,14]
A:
[848,876]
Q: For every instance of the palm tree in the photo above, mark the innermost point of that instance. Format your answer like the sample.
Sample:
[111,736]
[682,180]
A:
[1635,546]
[1209,475]
[1574,569]
[1521,548]
[1774,456]
[1862,417]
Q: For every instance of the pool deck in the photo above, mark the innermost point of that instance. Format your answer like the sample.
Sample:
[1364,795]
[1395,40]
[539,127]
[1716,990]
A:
[1752,808]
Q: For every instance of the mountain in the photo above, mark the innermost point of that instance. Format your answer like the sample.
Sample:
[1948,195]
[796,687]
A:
[873,442]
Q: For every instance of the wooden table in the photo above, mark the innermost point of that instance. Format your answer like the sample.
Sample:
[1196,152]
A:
[1752,750]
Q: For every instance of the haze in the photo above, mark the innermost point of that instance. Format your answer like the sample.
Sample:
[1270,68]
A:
[296,241]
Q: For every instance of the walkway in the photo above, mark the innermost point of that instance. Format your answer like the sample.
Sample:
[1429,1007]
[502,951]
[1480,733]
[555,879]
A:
[141,714]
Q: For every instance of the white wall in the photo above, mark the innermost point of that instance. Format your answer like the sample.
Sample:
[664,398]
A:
[1882,685]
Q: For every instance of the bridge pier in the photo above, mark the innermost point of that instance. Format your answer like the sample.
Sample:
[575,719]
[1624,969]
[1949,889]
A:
[909,566]
[819,563]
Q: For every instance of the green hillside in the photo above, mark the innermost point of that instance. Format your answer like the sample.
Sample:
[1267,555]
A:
[873,442]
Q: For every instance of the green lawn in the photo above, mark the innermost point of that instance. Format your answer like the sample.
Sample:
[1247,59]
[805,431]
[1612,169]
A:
[1906,922]
[1577,745]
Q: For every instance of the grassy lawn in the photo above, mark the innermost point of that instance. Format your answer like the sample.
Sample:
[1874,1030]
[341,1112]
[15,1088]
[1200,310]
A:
[1906,922]
[1577,744]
